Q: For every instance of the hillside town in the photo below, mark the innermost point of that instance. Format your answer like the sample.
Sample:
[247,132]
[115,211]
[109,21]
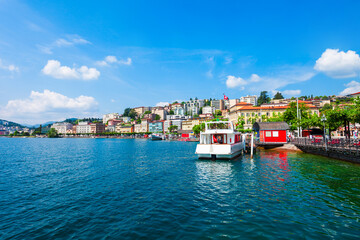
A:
[180,118]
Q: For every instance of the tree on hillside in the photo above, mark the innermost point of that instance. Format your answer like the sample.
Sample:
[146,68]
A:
[263,98]
[290,115]
[132,114]
[198,128]
[52,133]
[147,112]
[326,107]
[126,112]
[278,95]
[173,128]
[218,113]
[171,112]
[157,117]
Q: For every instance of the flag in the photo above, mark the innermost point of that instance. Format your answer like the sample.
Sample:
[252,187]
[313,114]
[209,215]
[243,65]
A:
[214,139]
[225,97]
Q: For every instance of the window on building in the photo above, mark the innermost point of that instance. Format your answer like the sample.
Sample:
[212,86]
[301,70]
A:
[275,133]
[267,133]
[247,114]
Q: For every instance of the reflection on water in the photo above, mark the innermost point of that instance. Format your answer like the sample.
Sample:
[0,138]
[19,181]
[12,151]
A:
[130,189]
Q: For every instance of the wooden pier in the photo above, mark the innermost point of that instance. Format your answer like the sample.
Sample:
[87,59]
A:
[343,149]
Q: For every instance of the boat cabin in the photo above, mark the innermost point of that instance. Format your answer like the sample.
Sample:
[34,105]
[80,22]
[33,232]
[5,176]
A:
[220,141]
[220,132]
[271,133]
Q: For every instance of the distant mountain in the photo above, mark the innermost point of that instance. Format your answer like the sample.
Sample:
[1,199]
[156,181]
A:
[10,124]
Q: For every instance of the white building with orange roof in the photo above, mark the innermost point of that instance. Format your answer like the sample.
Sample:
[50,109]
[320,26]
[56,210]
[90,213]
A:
[250,113]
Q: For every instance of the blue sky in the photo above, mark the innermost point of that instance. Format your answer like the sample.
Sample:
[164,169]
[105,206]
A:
[62,59]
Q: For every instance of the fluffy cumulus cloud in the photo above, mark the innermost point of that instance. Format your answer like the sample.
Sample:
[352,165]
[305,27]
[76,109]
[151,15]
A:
[112,59]
[282,77]
[162,104]
[70,40]
[234,82]
[339,64]
[47,105]
[54,69]
[351,87]
[10,67]
[292,93]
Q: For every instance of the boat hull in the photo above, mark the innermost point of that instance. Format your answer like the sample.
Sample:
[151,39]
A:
[219,151]
[156,138]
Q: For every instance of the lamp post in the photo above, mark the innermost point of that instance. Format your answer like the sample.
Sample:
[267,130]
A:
[323,119]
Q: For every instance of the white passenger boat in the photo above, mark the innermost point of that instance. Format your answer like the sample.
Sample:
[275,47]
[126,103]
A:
[220,141]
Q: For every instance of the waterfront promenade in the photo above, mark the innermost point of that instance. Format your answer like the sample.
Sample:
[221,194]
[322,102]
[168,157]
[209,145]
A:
[344,149]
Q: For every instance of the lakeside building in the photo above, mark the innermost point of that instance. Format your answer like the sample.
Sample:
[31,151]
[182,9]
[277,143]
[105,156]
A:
[149,116]
[178,123]
[83,127]
[206,115]
[144,125]
[110,116]
[126,119]
[249,99]
[230,102]
[141,110]
[97,127]
[208,110]
[192,107]
[160,111]
[251,113]
[218,104]
[114,122]
[4,132]
[156,126]
[137,128]
[110,128]
[178,109]
[124,128]
[167,124]
[189,124]
[62,127]
[177,117]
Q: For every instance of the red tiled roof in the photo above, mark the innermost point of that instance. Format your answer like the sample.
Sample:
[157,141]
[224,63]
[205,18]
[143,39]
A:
[263,108]
[242,103]
[355,93]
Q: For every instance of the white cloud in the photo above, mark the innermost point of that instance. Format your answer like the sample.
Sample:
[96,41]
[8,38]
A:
[112,59]
[284,76]
[54,69]
[162,104]
[255,78]
[233,82]
[352,87]
[47,105]
[71,40]
[338,64]
[292,93]
[11,67]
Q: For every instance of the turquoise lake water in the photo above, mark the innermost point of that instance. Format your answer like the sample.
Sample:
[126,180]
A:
[140,189]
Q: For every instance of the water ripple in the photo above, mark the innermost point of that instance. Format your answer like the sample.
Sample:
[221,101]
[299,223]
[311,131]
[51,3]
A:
[139,189]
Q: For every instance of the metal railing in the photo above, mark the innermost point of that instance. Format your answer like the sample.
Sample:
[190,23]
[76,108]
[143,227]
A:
[335,143]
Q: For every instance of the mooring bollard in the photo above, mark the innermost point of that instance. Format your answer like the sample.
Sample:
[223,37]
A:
[252,145]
